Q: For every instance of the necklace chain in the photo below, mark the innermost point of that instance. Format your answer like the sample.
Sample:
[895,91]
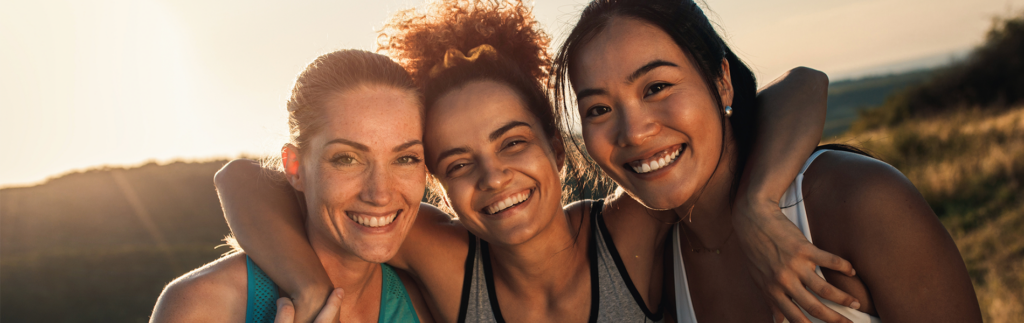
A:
[716,250]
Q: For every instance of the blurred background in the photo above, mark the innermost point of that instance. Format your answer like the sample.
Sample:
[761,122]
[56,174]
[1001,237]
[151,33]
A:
[114,115]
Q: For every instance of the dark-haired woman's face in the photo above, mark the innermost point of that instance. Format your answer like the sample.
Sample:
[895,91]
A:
[495,162]
[648,118]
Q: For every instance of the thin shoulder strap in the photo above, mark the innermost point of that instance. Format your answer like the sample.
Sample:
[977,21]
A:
[811,159]
[467,279]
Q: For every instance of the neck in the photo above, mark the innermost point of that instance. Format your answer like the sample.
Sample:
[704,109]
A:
[359,278]
[708,215]
[539,264]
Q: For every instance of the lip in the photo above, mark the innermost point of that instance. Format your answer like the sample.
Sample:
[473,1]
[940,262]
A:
[381,229]
[508,211]
[682,147]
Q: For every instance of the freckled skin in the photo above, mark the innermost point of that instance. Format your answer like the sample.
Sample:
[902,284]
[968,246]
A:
[340,178]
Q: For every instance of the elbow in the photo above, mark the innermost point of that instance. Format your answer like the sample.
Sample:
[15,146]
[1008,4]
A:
[233,171]
[815,80]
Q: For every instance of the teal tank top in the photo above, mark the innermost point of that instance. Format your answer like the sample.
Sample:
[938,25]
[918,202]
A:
[261,305]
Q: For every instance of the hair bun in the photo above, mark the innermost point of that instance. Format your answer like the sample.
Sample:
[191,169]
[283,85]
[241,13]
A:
[420,40]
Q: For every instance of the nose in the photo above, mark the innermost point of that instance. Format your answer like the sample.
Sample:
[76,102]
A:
[636,124]
[495,175]
[377,190]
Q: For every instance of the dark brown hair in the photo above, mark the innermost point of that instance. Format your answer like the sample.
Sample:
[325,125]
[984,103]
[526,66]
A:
[691,30]
[419,40]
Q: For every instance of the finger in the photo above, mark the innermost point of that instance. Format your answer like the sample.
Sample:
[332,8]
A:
[777,316]
[825,259]
[829,292]
[285,311]
[789,309]
[813,306]
[329,313]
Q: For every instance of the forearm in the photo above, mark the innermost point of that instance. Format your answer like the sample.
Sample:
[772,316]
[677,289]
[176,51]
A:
[791,117]
[264,215]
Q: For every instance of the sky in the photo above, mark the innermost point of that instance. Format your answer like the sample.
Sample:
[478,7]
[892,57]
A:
[119,82]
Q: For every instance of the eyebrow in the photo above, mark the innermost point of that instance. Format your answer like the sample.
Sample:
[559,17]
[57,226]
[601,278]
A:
[354,144]
[629,79]
[492,137]
[407,145]
[450,152]
[363,147]
[647,68]
[508,126]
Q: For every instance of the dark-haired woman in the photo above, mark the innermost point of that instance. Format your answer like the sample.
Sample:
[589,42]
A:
[653,78]
[355,150]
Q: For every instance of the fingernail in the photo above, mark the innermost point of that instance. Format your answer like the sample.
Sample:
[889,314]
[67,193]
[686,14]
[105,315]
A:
[853,272]
[855,305]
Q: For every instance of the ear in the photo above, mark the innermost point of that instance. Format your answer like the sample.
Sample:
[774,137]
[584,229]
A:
[725,84]
[292,166]
[559,149]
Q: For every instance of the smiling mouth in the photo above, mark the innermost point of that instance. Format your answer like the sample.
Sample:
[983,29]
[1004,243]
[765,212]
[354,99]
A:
[656,162]
[508,202]
[373,221]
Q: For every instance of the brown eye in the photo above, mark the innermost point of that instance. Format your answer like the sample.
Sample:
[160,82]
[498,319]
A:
[598,110]
[455,168]
[655,88]
[408,160]
[343,160]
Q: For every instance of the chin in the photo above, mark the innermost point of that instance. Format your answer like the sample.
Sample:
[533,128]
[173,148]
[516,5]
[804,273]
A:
[379,254]
[657,199]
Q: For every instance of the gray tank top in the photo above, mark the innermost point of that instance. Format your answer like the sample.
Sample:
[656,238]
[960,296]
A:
[611,288]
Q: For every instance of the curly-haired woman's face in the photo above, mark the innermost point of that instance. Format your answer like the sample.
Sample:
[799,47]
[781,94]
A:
[648,119]
[363,174]
[496,163]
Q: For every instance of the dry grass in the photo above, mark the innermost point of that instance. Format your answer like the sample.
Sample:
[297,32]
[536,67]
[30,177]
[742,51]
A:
[969,165]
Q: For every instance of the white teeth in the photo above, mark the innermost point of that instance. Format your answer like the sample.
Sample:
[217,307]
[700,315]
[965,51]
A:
[507,202]
[656,164]
[372,221]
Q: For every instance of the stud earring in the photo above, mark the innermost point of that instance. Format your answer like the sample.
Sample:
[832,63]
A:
[728,111]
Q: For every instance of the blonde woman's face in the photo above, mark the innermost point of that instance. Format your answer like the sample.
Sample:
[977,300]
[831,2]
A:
[363,172]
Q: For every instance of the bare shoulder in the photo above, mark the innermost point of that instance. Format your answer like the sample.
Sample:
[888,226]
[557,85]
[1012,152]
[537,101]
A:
[575,210]
[215,292]
[864,186]
[867,212]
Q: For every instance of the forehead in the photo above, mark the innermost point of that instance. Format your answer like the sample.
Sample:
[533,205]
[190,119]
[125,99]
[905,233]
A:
[473,111]
[373,113]
[622,46]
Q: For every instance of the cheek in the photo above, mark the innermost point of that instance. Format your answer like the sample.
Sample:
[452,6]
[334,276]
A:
[598,141]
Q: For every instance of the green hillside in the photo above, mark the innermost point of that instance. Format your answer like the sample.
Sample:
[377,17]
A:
[959,137]
[99,246]
[848,97]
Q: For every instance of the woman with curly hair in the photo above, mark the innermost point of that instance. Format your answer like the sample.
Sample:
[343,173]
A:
[493,142]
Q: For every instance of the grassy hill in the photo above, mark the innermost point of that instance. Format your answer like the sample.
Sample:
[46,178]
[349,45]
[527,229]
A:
[969,165]
[959,137]
[99,246]
[847,98]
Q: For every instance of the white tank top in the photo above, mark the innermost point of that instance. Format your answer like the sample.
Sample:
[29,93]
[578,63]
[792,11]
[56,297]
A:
[792,205]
